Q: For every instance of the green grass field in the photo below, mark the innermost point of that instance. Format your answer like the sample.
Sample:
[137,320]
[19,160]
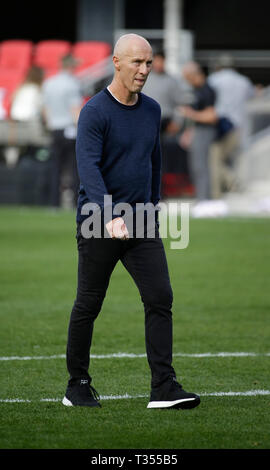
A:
[221,304]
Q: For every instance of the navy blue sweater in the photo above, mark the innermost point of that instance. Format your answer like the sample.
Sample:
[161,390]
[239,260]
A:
[118,151]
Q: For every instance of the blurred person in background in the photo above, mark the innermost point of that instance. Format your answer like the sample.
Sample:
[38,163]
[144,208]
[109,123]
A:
[233,90]
[202,132]
[26,108]
[27,100]
[62,101]
[169,93]
[3,112]
[166,90]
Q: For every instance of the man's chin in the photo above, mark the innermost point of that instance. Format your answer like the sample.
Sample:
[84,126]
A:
[138,88]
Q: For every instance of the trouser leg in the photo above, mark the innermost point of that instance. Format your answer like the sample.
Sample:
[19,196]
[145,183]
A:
[216,169]
[56,160]
[199,161]
[231,145]
[221,174]
[146,261]
[72,168]
[97,259]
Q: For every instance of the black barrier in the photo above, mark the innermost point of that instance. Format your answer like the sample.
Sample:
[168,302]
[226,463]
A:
[28,183]
[135,458]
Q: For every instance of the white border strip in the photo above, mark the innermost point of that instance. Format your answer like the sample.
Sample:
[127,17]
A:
[121,355]
[249,393]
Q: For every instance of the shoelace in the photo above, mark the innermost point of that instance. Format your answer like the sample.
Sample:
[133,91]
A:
[89,389]
[94,392]
[177,384]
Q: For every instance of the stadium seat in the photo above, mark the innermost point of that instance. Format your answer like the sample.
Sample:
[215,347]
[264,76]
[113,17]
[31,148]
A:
[9,81]
[48,53]
[16,54]
[176,184]
[90,53]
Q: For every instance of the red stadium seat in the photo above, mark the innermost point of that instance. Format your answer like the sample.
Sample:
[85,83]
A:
[176,184]
[10,80]
[48,55]
[90,53]
[16,54]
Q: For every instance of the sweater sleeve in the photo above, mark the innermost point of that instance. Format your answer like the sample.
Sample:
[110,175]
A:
[89,150]
[156,169]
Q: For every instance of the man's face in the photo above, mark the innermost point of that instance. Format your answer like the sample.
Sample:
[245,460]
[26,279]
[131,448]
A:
[196,79]
[134,67]
[159,64]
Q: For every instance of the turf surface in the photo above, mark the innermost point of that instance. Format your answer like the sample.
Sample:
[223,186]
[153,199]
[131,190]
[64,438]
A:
[221,304]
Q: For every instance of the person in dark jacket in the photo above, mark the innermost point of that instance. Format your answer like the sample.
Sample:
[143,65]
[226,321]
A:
[118,156]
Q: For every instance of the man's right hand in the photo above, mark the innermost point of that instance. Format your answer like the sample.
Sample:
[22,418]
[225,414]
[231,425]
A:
[117,229]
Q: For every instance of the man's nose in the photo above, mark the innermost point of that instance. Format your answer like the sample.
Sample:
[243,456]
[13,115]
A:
[143,69]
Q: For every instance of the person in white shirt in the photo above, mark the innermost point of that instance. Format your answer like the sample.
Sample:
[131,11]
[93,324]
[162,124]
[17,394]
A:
[62,102]
[26,117]
[27,99]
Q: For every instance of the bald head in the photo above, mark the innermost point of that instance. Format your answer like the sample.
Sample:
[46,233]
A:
[193,73]
[191,68]
[132,58]
[130,43]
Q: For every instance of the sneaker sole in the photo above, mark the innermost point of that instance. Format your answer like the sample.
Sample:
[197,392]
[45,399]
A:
[67,402]
[184,403]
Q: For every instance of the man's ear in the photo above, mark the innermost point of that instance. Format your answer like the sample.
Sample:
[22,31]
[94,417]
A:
[116,62]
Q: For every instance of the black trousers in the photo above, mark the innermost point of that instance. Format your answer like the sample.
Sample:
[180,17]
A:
[63,160]
[145,260]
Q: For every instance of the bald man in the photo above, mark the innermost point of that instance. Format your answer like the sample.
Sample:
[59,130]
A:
[118,157]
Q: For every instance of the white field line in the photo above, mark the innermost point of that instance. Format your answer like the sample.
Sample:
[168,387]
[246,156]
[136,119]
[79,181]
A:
[120,355]
[249,393]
